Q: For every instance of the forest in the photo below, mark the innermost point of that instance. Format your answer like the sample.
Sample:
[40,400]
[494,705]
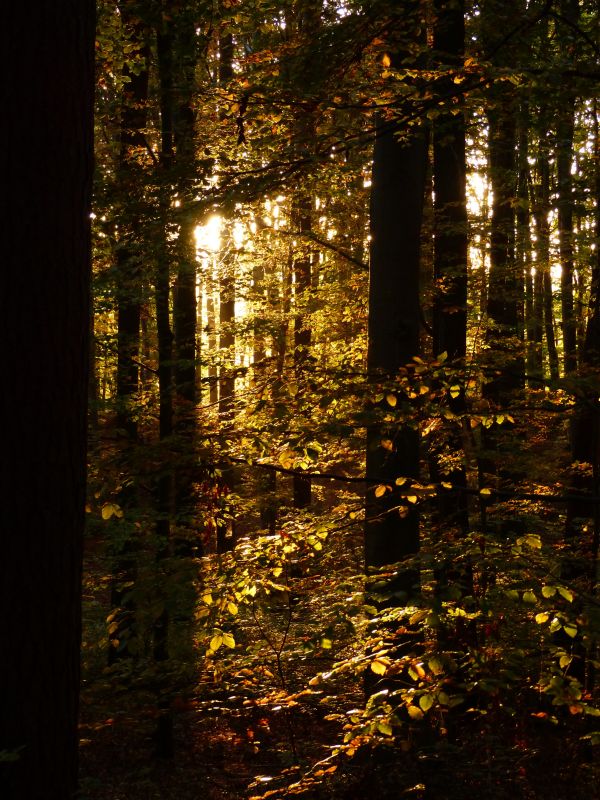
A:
[300,491]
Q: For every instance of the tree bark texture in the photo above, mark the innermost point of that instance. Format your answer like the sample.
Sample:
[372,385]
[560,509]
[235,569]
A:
[398,185]
[46,142]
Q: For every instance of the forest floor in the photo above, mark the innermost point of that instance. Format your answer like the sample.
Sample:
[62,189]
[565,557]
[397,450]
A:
[237,738]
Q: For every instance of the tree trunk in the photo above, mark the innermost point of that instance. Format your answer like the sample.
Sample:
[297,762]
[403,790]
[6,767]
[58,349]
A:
[564,159]
[129,299]
[46,142]
[398,185]
[450,245]
[164,487]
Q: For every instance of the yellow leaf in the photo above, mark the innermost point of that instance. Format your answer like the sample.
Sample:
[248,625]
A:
[485,492]
[400,481]
[228,640]
[384,727]
[446,485]
[207,598]
[391,399]
[378,667]
[541,618]
[412,498]
[386,60]
[216,642]
[566,593]
[232,608]
[380,491]
[414,712]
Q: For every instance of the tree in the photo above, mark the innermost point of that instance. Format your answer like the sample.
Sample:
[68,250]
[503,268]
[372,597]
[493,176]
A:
[399,160]
[47,171]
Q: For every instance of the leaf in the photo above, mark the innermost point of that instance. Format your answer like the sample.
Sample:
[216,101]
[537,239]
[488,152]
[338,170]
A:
[541,618]
[216,642]
[326,643]
[228,640]
[435,665]
[531,540]
[426,701]
[485,492]
[384,727]
[454,391]
[548,591]
[400,481]
[111,510]
[207,598]
[378,667]
[566,593]
[277,571]
[386,60]
[232,608]
[391,400]
[529,597]
[414,712]
[412,498]
[446,485]
[570,629]
[380,490]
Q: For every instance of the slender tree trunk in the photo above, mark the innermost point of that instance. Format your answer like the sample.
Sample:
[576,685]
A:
[564,159]
[164,487]
[398,186]
[543,246]
[46,146]
[225,521]
[302,215]
[129,298]
[450,243]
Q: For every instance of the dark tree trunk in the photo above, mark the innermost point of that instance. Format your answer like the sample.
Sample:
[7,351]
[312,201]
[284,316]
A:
[46,145]
[505,289]
[398,186]
[164,487]
[543,247]
[564,159]
[129,278]
[129,298]
[450,245]
[302,217]
[225,521]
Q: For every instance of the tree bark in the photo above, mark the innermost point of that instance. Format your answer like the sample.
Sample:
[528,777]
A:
[46,142]
[398,186]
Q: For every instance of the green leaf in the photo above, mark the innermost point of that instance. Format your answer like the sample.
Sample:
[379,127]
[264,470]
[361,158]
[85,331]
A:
[435,665]
[566,593]
[384,727]
[570,629]
[529,597]
[548,591]
[426,701]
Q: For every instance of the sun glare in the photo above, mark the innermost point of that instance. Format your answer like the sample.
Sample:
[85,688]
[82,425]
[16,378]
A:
[208,236]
